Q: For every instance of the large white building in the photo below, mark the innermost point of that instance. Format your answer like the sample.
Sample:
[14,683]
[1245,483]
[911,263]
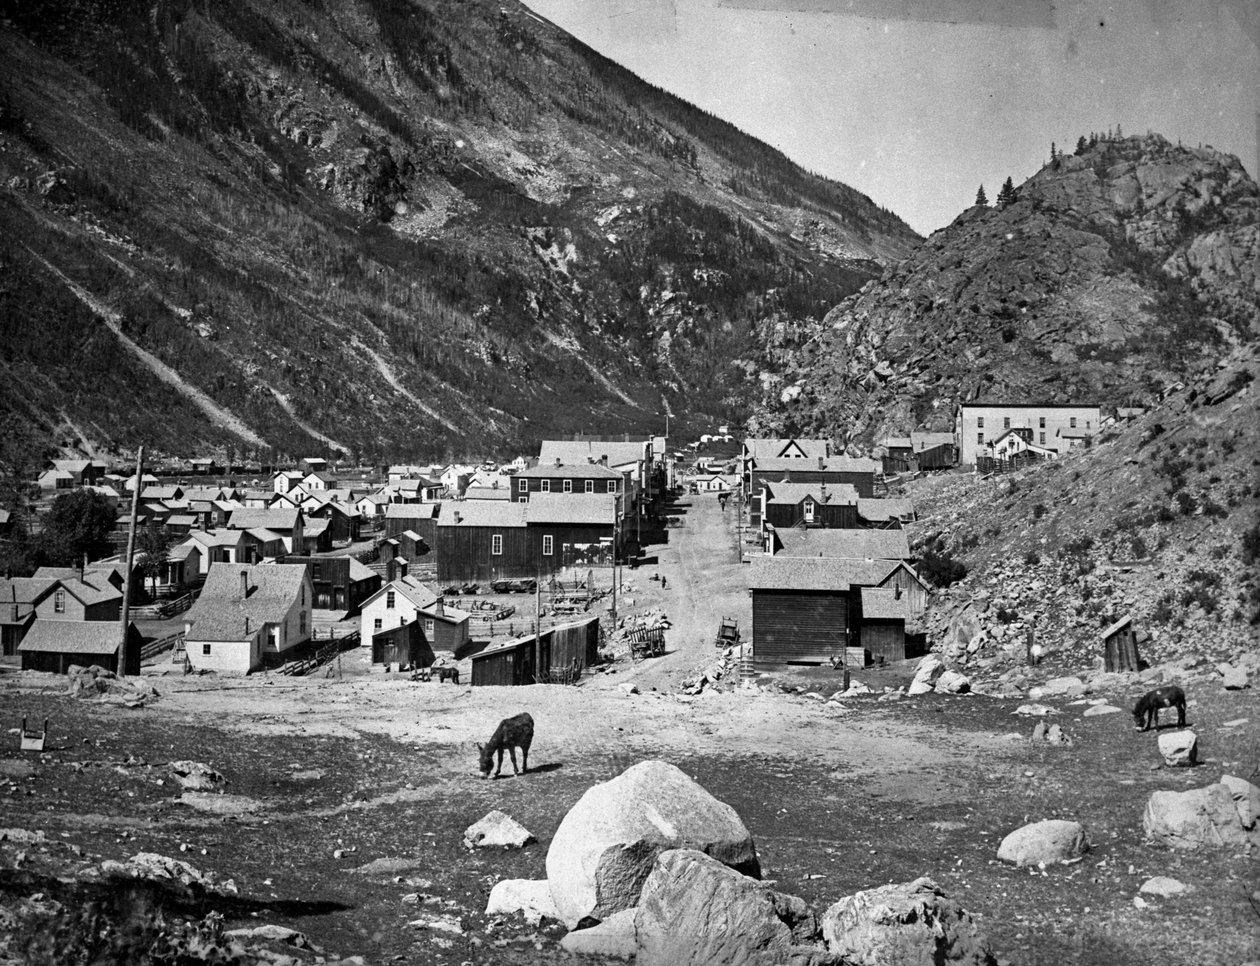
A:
[977,426]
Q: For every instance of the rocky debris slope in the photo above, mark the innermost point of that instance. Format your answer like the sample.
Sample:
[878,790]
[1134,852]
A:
[1113,274]
[1159,520]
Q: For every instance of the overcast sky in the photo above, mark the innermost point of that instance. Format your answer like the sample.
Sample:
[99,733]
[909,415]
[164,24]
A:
[917,112]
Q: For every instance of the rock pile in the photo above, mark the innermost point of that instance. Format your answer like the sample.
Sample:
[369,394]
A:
[108,687]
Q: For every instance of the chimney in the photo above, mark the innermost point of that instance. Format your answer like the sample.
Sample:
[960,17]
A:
[557,461]
[402,567]
[244,584]
[439,607]
[824,492]
[896,592]
[822,462]
[391,570]
[458,516]
[247,624]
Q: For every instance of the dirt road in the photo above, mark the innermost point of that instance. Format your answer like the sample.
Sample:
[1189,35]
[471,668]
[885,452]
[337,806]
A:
[703,583]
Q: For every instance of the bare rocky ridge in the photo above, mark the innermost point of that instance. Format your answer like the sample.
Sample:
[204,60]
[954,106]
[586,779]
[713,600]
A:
[1111,275]
[408,223]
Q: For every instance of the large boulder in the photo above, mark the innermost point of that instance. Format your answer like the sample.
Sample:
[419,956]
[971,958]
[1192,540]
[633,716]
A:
[196,776]
[497,830]
[1246,799]
[695,911]
[1200,817]
[1044,843]
[606,845]
[953,682]
[1064,687]
[615,937]
[1233,678]
[906,924]
[1179,748]
[926,675]
[530,897]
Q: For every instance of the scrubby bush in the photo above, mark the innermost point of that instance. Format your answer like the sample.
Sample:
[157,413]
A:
[1032,558]
[1249,545]
[1039,511]
[941,568]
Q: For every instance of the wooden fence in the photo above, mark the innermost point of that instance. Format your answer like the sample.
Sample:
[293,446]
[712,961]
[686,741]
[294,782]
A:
[154,648]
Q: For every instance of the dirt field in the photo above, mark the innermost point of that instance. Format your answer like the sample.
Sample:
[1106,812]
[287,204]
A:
[886,790]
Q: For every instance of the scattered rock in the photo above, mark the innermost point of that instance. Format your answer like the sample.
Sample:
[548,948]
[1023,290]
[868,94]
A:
[497,830]
[1055,735]
[926,675]
[615,937]
[271,933]
[953,682]
[194,776]
[217,803]
[1162,885]
[530,897]
[1101,709]
[1246,799]
[1234,678]
[1066,687]
[436,922]
[1196,818]
[605,847]
[856,687]
[629,688]
[21,836]
[162,868]
[695,911]
[1179,748]
[1035,710]
[1044,843]
[907,924]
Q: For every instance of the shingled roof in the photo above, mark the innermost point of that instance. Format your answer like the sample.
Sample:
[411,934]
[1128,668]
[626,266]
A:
[73,637]
[573,471]
[484,513]
[881,511]
[883,604]
[833,464]
[592,508]
[814,573]
[769,448]
[270,518]
[577,451]
[221,611]
[855,544]
[831,494]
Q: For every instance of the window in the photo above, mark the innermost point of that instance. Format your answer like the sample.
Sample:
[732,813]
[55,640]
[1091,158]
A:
[428,627]
[389,600]
[522,499]
[522,485]
[568,486]
[304,595]
[59,602]
[205,649]
[377,624]
[979,422]
[1041,422]
[590,486]
[979,439]
[1072,422]
[612,486]
[496,544]
[315,571]
[1043,439]
[301,622]
[809,511]
[548,545]
[1006,422]
[546,486]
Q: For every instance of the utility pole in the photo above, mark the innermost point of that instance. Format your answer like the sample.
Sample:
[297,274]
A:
[125,619]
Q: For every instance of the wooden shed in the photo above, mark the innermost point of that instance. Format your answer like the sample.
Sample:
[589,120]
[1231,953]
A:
[54,646]
[801,609]
[883,633]
[572,646]
[1120,650]
[405,646]
[510,663]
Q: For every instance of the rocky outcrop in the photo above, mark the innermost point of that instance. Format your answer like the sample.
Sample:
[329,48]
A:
[695,911]
[606,845]
[1201,817]
[1180,749]
[908,924]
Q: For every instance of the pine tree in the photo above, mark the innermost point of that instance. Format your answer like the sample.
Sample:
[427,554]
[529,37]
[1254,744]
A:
[1007,193]
[1053,153]
[1081,145]
[981,198]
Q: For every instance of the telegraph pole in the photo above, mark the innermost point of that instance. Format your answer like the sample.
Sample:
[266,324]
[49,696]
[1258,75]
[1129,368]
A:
[131,549]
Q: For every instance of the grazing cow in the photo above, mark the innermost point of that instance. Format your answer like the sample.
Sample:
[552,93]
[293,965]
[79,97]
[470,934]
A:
[1147,708]
[512,733]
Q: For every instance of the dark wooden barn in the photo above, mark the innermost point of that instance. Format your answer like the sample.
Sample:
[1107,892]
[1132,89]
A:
[421,518]
[802,609]
[54,646]
[858,472]
[883,624]
[509,664]
[405,646]
[557,655]
[1120,646]
[818,505]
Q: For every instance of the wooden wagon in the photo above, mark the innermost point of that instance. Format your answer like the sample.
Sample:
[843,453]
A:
[728,633]
[647,642]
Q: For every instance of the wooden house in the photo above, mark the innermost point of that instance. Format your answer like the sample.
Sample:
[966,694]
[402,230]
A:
[558,654]
[896,454]
[80,472]
[1120,646]
[89,597]
[571,531]
[851,544]
[338,583]
[510,664]
[204,466]
[404,600]
[181,570]
[978,425]
[858,472]
[482,540]
[812,505]
[287,524]
[418,490]
[405,646]
[421,518]
[219,546]
[17,609]
[317,536]
[285,480]
[344,521]
[933,451]
[319,481]
[802,609]
[56,646]
[248,615]
[756,450]
[632,457]
[313,464]
[883,618]
[885,514]
[578,478]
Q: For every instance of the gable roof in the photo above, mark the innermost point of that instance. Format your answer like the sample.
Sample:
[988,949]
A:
[24,590]
[487,493]
[360,571]
[593,508]
[485,513]
[924,441]
[830,494]
[217,538]
[93,588]
[769,448]
[74,637]
[273,518]
[883,510]
[578,451]
[220,612]
[575,471]
[882,603]
[420,595]
[853,544]
[413,511]
[812,573]
[898,442]
[832,464]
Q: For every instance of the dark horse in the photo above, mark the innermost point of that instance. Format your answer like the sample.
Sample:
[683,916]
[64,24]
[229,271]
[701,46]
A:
[512,733]
[1147,709]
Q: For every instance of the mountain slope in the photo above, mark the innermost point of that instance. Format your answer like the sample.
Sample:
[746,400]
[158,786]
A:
[1112,274]
[383,225]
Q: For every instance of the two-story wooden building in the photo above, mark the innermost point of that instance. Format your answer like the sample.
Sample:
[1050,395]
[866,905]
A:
[1053,425]
[575,478]
[785,505]
[339,583]
[248,615]
[856,471]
